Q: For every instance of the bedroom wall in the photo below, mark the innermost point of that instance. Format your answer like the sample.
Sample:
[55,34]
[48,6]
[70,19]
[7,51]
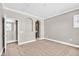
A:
[1,40]
[22,19]
[61,28]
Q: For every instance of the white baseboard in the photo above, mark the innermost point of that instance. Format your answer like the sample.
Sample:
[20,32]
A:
[1,52]
[11,41]
[65,43]
[26,42]
[40,38]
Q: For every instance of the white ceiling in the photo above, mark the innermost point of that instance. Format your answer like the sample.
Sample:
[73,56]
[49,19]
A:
[43,10]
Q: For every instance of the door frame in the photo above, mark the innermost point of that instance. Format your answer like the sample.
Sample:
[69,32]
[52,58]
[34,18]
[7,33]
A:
[5,42]
[13,26]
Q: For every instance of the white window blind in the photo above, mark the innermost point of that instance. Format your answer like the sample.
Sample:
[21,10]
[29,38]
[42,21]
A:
[76,21]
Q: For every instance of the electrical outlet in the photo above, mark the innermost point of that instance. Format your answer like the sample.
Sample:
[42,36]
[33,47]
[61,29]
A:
[70,39]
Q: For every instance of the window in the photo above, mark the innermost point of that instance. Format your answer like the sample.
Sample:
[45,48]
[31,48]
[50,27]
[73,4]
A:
[76,21]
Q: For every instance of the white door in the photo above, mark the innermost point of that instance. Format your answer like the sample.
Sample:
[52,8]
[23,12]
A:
[29,29]
[26,30]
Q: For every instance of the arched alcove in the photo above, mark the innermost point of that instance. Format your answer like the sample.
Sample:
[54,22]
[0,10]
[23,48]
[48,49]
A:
[37,29]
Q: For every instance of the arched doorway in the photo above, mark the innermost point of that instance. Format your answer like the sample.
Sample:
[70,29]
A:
[37,29]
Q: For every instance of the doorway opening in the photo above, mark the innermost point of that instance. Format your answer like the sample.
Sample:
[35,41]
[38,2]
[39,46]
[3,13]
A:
[37,29]
[11,32]
[17,31]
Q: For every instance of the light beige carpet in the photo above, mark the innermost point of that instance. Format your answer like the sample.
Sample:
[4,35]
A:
[41,48]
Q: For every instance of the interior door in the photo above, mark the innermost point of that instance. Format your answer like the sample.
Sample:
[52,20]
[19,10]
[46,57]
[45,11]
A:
[26,30]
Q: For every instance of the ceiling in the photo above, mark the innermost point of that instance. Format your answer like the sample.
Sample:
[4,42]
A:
[43,10]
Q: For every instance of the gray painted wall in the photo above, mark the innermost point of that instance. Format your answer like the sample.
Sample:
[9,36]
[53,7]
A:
[61,28]
[1,14]
[22,22]
[22,19]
